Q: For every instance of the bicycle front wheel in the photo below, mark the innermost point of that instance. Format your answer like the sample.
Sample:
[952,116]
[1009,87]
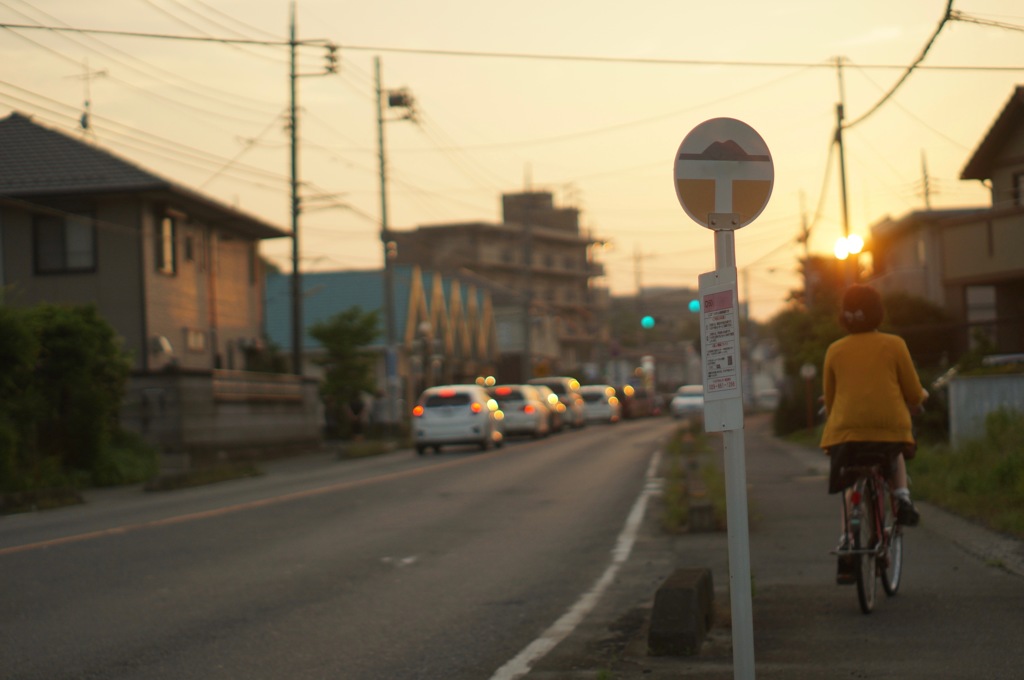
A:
[864,541]
[892,560]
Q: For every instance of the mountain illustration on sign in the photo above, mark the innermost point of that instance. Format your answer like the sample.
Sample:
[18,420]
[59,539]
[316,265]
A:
[723,151]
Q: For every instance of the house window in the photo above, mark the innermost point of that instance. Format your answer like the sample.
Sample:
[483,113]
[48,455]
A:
[982,314]
[64,243]
[166,262]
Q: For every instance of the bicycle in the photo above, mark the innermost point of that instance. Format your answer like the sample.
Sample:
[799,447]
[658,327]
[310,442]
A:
[873,535]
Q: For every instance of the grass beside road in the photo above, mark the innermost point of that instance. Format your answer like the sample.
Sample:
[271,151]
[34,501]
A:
[692,479]
[982,479]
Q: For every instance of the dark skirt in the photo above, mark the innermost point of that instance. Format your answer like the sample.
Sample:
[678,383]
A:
[849,454]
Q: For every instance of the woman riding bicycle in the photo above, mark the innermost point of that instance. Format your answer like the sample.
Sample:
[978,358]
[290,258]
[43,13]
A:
[870,385]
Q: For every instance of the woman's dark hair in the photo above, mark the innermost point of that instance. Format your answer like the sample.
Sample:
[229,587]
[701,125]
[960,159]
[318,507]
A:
[862,309]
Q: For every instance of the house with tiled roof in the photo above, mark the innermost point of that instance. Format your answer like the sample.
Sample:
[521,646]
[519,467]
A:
[970,261]
[177,274]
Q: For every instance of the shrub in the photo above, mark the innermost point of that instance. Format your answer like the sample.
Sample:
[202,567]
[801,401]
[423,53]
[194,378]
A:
[126,460]
[62,379]
[79,381]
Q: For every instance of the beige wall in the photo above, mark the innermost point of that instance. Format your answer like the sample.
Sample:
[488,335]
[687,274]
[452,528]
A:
[985,250]
[1002,177]
[212,297]
[114,287]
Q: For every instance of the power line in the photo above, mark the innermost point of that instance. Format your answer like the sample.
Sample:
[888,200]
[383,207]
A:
[652,60]
[129,132]
[163,75]
[506,55]
[235,20]
[909,69]
[198,30]
[161,36]
[957,15]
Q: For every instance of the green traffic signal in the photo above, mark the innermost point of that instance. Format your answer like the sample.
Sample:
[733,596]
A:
[647,322]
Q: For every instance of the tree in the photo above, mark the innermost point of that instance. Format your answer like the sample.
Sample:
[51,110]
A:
[348,364]
[927,328]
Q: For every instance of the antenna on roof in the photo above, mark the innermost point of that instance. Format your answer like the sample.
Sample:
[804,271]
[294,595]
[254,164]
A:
[88,76]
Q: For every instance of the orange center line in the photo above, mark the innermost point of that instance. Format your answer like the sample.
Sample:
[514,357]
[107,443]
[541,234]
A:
[240,507]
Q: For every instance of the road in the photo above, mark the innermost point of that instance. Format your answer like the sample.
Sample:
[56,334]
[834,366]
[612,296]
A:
[392,567]
[451,566]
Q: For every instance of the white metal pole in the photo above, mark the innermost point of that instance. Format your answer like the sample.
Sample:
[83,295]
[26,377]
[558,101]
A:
[736,502]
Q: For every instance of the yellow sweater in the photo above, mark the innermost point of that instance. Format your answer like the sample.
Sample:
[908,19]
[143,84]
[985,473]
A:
[869,378]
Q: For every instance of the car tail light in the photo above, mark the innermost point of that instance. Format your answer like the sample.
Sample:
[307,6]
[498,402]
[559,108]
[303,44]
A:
[447,393]
[417,411]
[476,407]
[528,408]
[503,391]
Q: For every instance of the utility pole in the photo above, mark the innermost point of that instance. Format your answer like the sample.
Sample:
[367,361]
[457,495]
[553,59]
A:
[296,275]
[296,205]
[842,165]
[395,99]
[805,236]
[385,237]
[926,182]
[527,362]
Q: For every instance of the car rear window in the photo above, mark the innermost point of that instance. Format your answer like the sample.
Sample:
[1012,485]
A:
[457,399]
[593,396]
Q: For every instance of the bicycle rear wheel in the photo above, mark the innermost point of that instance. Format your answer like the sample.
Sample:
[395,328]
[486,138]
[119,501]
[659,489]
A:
[892,560]
[864,544]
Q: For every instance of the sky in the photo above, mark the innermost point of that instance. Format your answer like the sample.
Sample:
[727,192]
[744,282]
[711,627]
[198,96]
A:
[589,100]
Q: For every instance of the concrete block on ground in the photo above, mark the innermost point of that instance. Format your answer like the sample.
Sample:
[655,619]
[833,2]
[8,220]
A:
[701,516]
[682,615]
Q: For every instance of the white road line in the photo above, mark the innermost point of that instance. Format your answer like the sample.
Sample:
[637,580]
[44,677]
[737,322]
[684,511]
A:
[560,629]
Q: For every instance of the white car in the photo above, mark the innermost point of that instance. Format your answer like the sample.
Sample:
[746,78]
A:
[688,402]
[600,405]
[525,410]
[456,414]
[568,391]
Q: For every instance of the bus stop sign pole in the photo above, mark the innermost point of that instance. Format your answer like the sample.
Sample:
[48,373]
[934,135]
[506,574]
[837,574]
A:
[723,176]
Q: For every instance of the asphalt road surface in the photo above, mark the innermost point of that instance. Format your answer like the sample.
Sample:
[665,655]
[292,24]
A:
[441,567]
[454,566]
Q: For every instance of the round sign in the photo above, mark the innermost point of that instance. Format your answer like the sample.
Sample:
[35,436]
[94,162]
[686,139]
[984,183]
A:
[808,371]
[723,174]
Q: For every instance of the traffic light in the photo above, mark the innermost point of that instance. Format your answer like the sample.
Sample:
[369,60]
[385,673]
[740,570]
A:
[647,322]
[694,306]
